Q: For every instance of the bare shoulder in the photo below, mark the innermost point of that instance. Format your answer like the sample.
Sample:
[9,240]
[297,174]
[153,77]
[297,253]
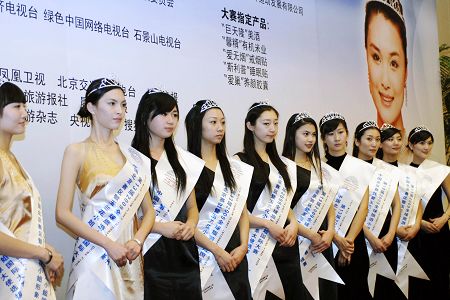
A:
[75,152]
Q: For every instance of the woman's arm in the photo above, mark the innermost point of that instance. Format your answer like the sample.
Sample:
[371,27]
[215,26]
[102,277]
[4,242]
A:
[188,229]
[276,231]
[239,252]
[443,219]
[390,235]
[73,157]
[134,246]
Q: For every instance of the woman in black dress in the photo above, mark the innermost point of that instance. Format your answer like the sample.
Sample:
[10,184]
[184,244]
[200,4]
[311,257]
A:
[205,126]
[300,145]
[171,268]
[352,260]
[434,234]
[365,146]
[261,127]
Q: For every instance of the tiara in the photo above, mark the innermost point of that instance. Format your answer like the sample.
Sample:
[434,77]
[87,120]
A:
[386,126]
[207,105]
[104,84]
[302,115]
[368,124]
[419,129]
[260,103]
[330,116]
[395,5]
[3,80]
[154,90]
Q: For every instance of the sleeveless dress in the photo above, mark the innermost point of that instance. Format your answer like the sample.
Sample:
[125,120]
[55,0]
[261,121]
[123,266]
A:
[327,289]
[355,274]
[434,251]
[238,279]
[97,170]
[171,269]
[287,259]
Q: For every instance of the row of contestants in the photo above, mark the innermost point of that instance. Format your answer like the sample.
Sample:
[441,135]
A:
[203,196]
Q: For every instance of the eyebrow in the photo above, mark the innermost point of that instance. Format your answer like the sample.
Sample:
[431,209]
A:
[393,53]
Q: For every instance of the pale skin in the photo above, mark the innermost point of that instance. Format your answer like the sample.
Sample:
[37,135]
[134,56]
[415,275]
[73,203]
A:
[107,115]
[391,149]
[368,146]
[161,127]
[12,122]
[213,130]
[305,138]
[265,130]
[336,143]
[421,151]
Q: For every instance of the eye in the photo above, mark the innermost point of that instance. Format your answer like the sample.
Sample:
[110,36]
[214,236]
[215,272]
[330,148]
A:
[266,123]
[394,64]
[175,115]
[330,133]
[124,105]
[276,123]
[376,57]
[314,134]
[213,122]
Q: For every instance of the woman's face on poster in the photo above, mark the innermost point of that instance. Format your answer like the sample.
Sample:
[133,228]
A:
[386,62]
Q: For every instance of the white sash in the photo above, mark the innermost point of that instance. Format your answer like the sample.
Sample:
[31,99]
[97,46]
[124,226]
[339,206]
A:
[218,219]
[356,175]
[433,175]
[310,211]
[382,189]
[166,200]
[410,192]
[274,206]
[109,212]
[25,278]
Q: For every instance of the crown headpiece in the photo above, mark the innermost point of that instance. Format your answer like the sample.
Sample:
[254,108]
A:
[260,103]
[419,129]
[369,124]
[395,5]
[300,116]
[386,126]
[154,90]
[207,105]
[330,116]
[106,82]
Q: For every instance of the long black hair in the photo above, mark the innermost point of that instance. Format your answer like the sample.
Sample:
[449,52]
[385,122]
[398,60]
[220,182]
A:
[255,111]
[193,124]
[289,147]
[151,105]
[359,132]
[10,93]
[96,89]
[387,133]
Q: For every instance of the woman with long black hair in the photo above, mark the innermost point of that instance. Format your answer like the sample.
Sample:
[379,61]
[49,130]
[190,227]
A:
[171,269]
[221,194]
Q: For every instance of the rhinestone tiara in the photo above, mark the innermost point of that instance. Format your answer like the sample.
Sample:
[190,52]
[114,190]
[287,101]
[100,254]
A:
[300,116]
[419,129]
[395,5]
[330,116]
[260,103]
[106,82]
[369,124]
[386,126]
[207,105]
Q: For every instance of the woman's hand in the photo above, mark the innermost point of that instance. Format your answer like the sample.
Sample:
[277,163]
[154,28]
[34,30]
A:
[117,252]
[429,227]
[134,249]
[290,235]
[186,232]
[344,244]
[276,231]
[377,245]
[239,253]
[225,260]
[171,229]
[343,259]
[56,266]
[439,222]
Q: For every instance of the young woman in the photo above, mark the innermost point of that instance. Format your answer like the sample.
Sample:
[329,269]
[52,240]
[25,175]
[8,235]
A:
[112,180]
[351,208]
[300,145]
[383,212]
[410,213]
[24,255]
[434,234]
[269,201]
[221,193]
[385,43]
[171,269]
